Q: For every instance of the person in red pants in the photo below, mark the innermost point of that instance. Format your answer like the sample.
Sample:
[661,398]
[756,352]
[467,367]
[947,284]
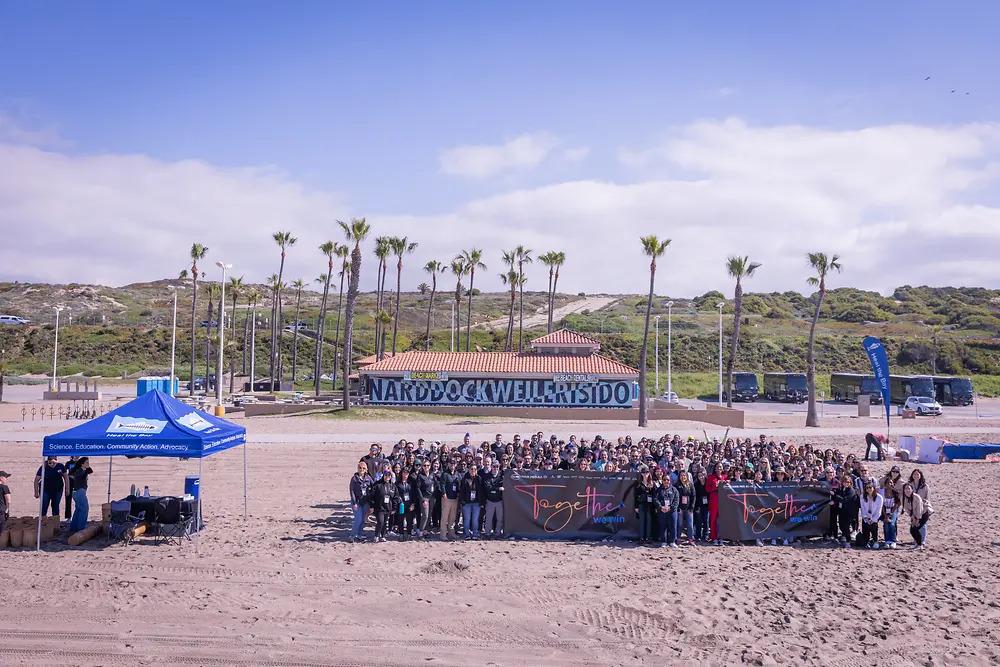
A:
[712,489]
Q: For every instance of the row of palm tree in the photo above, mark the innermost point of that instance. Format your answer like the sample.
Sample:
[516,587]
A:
[739,268]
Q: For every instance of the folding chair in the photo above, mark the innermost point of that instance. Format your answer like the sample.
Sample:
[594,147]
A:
[171,524]
[122,525]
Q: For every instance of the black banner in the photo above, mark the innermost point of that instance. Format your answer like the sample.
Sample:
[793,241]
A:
[569,505]
[750,511]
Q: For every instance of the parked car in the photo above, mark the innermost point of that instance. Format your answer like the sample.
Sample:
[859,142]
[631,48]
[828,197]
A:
[670,397]
[205,324]
[13,319]
[922,405]
[199,383]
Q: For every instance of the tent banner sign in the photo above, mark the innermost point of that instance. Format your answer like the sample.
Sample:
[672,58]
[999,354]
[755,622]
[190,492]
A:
[749,511]
[516,392]
[558,504]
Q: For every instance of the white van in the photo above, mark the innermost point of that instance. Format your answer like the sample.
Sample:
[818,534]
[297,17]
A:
[13,319]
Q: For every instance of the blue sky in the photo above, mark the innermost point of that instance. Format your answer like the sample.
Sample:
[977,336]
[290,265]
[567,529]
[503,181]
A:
[358,105]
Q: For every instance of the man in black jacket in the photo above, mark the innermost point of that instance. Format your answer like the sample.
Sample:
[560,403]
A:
[425,487]
[450,484]
[471,496]
[494,501]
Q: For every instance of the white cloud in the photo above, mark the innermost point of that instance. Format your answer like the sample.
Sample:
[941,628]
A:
[19,132]
[482,161]
[901,204]
[114,219]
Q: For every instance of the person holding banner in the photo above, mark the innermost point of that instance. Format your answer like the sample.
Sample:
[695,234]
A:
[846,506]
[665,502]
[712,483]
[643,497]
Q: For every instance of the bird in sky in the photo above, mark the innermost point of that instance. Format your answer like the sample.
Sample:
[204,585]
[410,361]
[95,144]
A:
[927,78]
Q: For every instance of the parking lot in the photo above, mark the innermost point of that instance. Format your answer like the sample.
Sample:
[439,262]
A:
[984,407]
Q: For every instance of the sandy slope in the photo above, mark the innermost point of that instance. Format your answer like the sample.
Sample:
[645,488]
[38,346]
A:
[285,588]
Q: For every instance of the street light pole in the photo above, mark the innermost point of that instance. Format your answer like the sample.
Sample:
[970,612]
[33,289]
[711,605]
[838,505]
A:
[253,341]
[173,339]
[452,326]
[656,353]
[670,385]
[222,332]
[55,350]
[722,305]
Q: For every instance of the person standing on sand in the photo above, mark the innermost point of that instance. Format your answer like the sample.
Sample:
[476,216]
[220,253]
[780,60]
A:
[712,483]
[55,477]
[701,507]
[383,501]
[450,483]
[4,499]
[644,504]
[81,512]
[833,483]
[471,495]
[913,505]
[426,484]
[665,501]
[361,484]
[846,504]
[685,509]
[871,512]
[407,499]
[70,464]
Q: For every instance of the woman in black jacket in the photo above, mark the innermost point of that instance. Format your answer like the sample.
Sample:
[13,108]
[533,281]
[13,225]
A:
[847,504]
[361,484]
[406,492]
[701,508]
[383,500]
[643,505]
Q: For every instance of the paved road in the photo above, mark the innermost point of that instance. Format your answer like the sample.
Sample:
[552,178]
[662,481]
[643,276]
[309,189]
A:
[591,303]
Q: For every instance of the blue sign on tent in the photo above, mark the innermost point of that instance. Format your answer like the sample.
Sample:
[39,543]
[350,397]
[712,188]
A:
[154,424]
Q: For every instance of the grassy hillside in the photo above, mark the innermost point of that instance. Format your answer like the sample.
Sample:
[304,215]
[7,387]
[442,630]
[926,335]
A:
[125,330]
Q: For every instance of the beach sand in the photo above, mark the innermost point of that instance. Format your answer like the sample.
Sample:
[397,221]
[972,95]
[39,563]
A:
[286,588]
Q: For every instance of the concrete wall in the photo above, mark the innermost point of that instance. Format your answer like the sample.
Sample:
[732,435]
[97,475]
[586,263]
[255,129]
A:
[711,415]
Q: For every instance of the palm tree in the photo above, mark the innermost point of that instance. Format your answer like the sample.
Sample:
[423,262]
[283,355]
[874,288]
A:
[329,249]
[560,259]
[822,265]
[345,270]
[284,240]
[653,248]
[383,248]
[214,292]
[510,279]
[182,275]
[432,267]
[273,354]
[549,260]
[523,257]
[382,318]
[423,288]
[236,288]
[400,246]
[299,285]
[472,259]
[510,258]
[738,268]
[458,268]
[355,232]
[198,251]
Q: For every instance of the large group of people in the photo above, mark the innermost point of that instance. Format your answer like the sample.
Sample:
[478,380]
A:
[422,489]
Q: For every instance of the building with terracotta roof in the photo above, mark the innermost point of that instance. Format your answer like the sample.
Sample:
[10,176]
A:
[562,368]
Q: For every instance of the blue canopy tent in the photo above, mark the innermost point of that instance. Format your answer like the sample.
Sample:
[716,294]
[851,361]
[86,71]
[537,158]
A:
[154,424]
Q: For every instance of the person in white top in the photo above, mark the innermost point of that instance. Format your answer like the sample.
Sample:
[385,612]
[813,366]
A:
[871,513]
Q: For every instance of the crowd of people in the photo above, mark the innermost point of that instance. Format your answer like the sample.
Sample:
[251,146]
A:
[421,489]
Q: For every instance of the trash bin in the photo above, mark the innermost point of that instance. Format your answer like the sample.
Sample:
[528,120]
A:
[192,486]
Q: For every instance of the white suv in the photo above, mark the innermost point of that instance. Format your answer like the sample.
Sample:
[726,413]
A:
[13,319]
[922,405]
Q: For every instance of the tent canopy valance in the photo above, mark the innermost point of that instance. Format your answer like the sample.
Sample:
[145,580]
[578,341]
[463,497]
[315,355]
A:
[154,424]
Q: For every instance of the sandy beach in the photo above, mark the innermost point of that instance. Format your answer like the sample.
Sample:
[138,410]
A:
[286,588]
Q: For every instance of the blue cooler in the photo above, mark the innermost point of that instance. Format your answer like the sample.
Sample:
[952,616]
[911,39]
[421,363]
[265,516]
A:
[192,486]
